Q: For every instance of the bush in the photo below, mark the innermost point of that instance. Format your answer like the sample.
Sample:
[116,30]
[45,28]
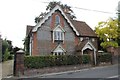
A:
[105,57]
[49,61]
[6,55]
[86,59]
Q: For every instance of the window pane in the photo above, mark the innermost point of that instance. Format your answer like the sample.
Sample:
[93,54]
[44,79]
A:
[55,35]
[62,36]
[55,53]
[57,20]
[58,35]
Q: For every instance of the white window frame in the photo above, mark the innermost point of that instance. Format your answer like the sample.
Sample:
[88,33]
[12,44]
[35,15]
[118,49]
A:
[58,53]
[58,34]
[59,50]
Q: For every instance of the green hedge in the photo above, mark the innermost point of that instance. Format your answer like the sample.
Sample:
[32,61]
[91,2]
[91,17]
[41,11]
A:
[86,59]
[105,57]
[49,61]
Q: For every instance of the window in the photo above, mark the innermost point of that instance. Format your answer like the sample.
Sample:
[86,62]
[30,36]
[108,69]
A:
[59,50]
[58,53]
[57,20]
[58,34]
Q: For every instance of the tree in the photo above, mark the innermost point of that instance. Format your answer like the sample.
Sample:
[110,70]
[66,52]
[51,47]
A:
[41,16]
[7,49]
[26,45]
[118,12]
[51,5]
[4,46]
[108,32]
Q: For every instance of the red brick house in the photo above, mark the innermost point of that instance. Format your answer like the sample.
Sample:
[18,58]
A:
[57,34]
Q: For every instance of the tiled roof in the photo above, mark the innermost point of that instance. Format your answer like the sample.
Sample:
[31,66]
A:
[81,45]
[83,28]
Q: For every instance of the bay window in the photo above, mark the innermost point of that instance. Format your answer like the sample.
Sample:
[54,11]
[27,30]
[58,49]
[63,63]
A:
[58,34]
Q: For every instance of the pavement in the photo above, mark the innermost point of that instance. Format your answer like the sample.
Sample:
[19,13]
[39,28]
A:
[6,69]
[67,72]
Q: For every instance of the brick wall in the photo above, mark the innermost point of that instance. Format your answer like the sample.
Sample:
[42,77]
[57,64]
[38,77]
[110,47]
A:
[44,37]
[19,63]
[117,51]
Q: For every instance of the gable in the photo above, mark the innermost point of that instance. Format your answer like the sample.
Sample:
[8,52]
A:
[50,14]
[59,48]
[59,28]
[89,45]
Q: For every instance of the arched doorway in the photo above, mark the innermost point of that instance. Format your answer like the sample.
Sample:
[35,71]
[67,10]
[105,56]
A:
[90,53]
[91,50]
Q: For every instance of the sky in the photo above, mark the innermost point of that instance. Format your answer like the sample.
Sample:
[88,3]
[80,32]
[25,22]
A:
[16,14]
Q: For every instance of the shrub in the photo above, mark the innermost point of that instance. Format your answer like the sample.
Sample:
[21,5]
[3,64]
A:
[49,61]
[6,55]
[86,59]
[105,57]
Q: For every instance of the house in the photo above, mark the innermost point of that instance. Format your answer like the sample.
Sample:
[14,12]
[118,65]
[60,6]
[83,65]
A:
[57,34]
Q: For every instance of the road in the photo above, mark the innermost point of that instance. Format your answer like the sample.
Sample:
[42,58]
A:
[98,72]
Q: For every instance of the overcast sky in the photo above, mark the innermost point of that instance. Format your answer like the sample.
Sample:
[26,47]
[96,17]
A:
[16,14]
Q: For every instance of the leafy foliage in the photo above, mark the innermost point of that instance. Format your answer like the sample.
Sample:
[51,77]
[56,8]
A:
[26,44]
[85,59]
[6,55]
[50,61]
[108,32]
[105,57]
[7,49]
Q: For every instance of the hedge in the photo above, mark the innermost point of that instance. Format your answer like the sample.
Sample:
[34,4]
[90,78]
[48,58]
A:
[86,59]
[49,61]
[105,57]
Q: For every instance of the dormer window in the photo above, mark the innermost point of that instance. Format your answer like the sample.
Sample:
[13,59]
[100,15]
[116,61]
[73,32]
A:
[57,20]
[58,34]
